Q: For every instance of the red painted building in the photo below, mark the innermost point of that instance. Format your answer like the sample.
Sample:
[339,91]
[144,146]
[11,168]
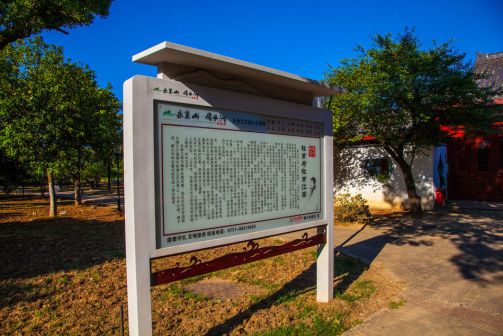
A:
[476,165]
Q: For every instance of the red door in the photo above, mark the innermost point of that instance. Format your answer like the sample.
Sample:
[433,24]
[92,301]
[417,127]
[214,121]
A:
[476,169]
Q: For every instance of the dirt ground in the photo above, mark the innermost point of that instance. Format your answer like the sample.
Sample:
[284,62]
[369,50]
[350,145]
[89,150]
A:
[66,276]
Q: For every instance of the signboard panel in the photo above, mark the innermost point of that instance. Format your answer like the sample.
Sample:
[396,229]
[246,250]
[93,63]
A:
[206,167]
[226,173]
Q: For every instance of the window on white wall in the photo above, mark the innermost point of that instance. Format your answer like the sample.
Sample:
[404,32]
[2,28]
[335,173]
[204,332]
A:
[379,168]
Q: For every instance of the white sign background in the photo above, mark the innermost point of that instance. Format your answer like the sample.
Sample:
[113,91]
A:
[219,180]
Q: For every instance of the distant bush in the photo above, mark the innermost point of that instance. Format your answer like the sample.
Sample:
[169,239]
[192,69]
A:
[348,208]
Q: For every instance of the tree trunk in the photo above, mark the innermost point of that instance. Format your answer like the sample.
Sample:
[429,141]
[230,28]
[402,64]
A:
[53,208]
[414,200]
[77,186]
[109,176]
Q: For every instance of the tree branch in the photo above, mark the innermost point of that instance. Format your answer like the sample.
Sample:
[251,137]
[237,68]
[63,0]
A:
[62,31]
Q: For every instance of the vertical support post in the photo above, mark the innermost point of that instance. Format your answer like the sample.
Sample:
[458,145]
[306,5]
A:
[161,71]
[118,158]
[121,328]
[325,255]
[139,211]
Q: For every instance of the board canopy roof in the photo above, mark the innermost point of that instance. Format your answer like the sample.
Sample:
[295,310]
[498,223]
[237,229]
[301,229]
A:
[195,66]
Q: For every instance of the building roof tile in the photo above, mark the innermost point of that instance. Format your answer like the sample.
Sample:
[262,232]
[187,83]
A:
[490,66]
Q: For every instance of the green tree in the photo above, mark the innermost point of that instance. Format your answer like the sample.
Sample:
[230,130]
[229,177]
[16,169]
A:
[22,18]
[401,95]
[109,133]
[31,124]
[92,123]
[53,114]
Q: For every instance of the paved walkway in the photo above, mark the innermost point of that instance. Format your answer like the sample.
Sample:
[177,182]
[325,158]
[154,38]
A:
[88,196]
[94,197]
[452,264]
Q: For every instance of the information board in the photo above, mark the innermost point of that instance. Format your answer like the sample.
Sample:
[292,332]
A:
[219,151]
[225,173]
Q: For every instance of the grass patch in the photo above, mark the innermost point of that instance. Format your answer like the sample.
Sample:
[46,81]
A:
[397,304]
[252,265]
[319,326]
[194,279]
[278,261]
[287,297]
[178,291]
[306,310]
[348,297]
[63,280]
[256,298]
[362,289]
[268,285]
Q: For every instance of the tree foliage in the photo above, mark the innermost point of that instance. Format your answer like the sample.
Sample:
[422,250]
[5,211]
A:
[32,104]
[401,95]
[22,18]
[54,116]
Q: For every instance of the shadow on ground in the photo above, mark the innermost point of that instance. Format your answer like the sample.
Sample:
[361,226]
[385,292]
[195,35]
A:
[477,235]
[346,271]
[29,249]
[43,246]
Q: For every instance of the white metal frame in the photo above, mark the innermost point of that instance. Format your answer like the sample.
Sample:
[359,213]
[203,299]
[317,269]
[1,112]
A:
[139,184]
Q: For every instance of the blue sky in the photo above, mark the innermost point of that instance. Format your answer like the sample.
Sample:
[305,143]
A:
[301,37]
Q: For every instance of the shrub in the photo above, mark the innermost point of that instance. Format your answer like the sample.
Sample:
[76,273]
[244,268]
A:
[348,208]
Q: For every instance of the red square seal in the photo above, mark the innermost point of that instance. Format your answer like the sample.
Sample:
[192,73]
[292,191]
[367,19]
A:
[312,151]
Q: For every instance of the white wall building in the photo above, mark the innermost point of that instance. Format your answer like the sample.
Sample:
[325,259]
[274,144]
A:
[368,170]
